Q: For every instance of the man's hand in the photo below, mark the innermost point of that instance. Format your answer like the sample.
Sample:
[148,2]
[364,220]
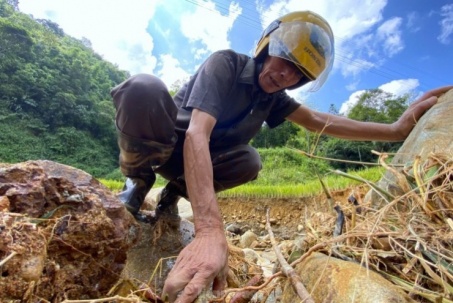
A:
[410,117]
[202,262]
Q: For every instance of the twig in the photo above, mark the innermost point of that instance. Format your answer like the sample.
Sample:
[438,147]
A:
[246,295]
[12,254]
[120,299]
[287,270]
[333,159]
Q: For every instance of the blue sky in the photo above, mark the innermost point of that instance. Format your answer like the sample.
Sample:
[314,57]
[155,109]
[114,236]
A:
[400,46]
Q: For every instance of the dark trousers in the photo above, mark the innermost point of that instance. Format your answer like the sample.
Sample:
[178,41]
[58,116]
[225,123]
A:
[145,119]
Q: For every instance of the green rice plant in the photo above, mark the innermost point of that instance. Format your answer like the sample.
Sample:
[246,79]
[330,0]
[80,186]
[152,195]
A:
[113,185]
[301,189]
[117,185]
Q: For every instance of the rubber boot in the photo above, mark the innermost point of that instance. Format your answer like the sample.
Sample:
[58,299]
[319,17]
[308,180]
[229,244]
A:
[137,159]
[134,192]
[169,197]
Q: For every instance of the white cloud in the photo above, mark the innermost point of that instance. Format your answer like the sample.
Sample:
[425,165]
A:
[170,70]
[209,26]
[107,26]
[400,87]
[390,34]
[397,88]
[446,24]
[353,99]
[413,22]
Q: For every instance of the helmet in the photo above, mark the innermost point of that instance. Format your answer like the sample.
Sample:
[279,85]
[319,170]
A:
[305,39]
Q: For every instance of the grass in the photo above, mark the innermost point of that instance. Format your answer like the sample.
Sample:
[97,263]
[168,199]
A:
[308,188]
[291,188]
[286,173]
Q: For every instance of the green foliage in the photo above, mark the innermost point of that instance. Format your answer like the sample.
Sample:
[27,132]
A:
[24,140]
[277,137]
[373,106]
[55,95]
[283,165]
[378,106]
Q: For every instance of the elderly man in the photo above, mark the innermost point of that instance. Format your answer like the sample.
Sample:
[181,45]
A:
[198,140]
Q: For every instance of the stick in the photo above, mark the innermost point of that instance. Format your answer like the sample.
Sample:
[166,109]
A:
[287,270]
[12,254]
[103,300]
[246,295]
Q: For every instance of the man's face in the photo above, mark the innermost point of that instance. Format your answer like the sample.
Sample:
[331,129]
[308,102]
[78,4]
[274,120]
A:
[278,74]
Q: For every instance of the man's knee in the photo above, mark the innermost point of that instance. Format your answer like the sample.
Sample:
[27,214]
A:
[252,163]
[138,88]
[236,166]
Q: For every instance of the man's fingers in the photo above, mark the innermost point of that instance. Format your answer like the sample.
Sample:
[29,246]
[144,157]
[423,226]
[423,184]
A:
[193,289]
[434,93]
[220,282]
[174,286]
[421,108]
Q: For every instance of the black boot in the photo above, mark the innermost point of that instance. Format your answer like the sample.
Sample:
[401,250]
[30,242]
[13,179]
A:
[169,197]
[134,192]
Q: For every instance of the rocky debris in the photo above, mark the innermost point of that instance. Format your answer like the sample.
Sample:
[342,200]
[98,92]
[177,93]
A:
[63,234]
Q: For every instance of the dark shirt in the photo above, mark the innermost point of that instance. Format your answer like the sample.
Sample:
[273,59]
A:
[226,87]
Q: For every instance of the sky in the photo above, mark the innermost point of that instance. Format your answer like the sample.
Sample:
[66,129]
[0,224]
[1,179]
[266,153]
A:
[399,46]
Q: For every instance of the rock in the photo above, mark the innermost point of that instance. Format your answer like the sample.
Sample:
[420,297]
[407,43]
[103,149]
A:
[247,239]
[234,228]
[250,255]
[329,279]
[432,134]
[69,233]
[184,206]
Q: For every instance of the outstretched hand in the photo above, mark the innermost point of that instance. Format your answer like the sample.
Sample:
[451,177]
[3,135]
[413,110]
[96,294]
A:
[410,117]
[202,262]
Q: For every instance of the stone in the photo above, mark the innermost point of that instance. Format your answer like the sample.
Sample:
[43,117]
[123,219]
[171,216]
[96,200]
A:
[431,134]
[68,235]
[247,239]
[328,279]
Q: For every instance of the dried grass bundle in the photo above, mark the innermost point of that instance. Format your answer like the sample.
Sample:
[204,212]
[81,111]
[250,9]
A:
[409,240]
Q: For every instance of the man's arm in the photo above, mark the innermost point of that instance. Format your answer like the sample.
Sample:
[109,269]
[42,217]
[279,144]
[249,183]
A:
[205,259]
[345,128]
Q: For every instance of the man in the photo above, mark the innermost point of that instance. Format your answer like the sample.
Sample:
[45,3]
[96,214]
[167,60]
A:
[199,140]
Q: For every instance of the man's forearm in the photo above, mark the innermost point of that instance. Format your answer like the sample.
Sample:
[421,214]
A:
[345,128]
[199,180]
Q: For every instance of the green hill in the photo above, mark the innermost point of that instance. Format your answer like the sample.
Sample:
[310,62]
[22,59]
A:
[54,96]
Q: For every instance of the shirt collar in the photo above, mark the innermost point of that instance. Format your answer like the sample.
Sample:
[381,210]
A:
[248,74]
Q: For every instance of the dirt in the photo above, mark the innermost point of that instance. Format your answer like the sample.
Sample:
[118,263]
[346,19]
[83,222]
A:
[286,214]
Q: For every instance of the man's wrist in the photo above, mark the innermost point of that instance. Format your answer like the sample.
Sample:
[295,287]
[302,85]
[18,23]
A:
[208,225]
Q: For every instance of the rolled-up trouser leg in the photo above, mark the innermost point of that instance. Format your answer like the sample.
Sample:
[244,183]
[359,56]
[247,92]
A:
[145,120]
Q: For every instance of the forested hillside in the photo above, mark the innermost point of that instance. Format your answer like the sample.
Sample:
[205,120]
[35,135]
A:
[54,96]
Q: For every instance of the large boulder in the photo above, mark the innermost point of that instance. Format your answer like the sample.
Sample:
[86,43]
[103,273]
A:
[328,279]
[432,134]
[63,235]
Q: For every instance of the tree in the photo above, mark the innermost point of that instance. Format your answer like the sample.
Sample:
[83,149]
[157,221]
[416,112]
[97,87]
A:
[277,137]
[373,106]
